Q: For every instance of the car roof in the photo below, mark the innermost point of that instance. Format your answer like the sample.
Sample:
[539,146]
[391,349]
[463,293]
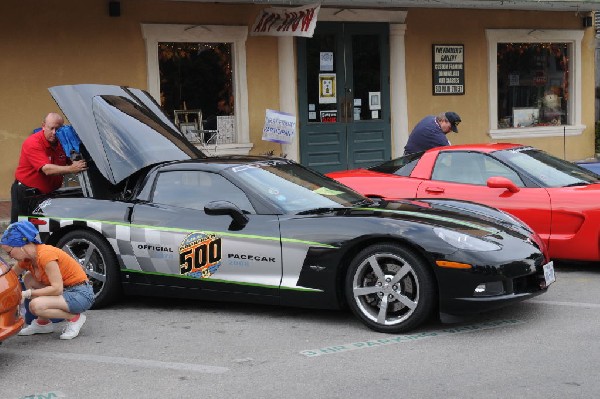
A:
[481,147]
[218,163]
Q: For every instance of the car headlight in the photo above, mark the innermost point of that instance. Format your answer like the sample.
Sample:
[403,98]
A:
[465,241]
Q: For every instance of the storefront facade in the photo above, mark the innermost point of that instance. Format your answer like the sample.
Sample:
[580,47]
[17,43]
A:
[513,75]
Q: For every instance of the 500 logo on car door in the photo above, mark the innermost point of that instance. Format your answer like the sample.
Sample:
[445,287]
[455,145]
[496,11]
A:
[200,255]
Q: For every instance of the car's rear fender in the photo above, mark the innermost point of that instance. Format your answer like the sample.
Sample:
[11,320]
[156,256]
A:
[54,236]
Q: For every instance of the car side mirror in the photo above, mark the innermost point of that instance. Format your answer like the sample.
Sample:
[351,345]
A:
[227,208]
[502,182]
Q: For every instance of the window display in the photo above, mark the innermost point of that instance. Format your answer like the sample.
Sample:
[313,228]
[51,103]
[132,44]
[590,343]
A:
[196,78]
[533,84]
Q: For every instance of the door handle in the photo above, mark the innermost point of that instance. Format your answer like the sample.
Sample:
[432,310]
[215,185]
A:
[346,109]
[434,190]
[349,114]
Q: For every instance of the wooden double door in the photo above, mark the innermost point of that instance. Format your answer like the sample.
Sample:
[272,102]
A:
[344,96]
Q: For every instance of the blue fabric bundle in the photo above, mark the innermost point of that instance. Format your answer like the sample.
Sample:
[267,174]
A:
[20,233]
[68,139]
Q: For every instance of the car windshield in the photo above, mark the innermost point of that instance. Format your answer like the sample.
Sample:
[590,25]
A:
[402,166]
[547,170]
[294,188]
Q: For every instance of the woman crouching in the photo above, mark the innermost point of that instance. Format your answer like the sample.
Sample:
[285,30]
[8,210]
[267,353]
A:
[55,282]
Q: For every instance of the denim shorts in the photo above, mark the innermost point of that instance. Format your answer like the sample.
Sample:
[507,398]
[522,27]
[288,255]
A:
[79,298]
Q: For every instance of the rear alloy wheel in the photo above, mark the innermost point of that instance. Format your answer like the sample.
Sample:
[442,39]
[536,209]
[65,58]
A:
[98,260]
[390,289]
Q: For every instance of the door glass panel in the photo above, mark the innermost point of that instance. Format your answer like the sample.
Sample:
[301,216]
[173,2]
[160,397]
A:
[195,189]
[459,167]
[321,79]
[366,62]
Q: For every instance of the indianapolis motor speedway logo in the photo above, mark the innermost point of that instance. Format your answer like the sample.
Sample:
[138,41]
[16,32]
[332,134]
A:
[200,255]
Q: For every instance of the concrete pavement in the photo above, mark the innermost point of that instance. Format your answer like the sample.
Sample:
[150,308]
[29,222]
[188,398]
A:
[4,214]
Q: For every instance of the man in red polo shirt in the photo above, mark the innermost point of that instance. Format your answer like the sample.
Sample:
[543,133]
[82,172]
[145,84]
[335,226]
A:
[41,167]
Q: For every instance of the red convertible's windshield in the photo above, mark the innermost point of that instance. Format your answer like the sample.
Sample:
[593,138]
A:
[547,170]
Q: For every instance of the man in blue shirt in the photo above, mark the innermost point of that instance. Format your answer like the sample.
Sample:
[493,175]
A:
[431,132]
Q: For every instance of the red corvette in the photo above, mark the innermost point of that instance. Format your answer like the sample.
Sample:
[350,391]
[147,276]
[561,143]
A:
[558,199]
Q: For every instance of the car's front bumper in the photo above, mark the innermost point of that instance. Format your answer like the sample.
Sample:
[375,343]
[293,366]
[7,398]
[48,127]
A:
[486,288]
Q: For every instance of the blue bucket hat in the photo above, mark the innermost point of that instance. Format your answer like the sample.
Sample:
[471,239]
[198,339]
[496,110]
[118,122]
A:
[20,233]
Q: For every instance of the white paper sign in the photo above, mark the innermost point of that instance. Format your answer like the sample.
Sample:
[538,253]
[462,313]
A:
[326,61]
[280,127]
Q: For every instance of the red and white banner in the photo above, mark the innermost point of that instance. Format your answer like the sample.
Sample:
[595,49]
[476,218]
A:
[298,21]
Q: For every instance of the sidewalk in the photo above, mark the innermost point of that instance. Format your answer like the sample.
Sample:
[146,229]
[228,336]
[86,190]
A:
[4,214]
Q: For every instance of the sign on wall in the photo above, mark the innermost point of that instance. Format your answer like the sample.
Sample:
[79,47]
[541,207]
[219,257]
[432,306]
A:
[448,69]
[298,21]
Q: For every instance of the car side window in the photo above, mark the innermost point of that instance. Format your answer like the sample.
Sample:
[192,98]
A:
[493,167]
[459,167]
[194,189]
[471,168]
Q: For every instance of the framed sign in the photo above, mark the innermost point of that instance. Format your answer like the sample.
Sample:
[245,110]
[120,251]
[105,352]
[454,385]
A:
[524,117]
[374,100]
[327,89]
[448,69]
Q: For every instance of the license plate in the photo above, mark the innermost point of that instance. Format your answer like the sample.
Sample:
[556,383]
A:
[549,273]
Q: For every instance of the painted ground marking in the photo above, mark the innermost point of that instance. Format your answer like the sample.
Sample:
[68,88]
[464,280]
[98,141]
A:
[574,304]
[122,360]
[409,338]
[46,395]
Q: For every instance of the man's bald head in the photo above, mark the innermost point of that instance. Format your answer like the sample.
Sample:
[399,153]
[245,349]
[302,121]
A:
[51,123]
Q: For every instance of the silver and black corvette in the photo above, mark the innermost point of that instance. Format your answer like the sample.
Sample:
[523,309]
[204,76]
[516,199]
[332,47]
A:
[154,216]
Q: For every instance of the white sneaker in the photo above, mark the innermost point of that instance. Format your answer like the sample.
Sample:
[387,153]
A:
[35,328]
[73,327]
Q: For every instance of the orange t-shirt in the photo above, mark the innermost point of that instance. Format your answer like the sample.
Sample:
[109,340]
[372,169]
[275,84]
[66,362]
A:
[70,269]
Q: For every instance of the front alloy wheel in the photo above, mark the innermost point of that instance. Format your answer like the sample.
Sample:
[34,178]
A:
[390,289]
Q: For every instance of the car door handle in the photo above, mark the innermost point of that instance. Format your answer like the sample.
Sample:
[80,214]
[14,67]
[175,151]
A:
[434,190]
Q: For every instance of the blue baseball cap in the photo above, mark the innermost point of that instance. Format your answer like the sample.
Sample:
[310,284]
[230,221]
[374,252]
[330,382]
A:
[20,233]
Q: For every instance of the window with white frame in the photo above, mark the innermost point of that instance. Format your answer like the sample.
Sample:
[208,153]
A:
[534,82]
[173,51]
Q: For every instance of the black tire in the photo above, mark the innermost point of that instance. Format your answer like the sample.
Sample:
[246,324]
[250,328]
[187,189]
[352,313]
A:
[390,289]
[98,260]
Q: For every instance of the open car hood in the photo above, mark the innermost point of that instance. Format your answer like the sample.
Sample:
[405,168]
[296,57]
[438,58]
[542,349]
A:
[123,129]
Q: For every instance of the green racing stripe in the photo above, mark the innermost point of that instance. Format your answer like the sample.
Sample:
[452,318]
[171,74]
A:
[215,280]
[433,217]
[176,229]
